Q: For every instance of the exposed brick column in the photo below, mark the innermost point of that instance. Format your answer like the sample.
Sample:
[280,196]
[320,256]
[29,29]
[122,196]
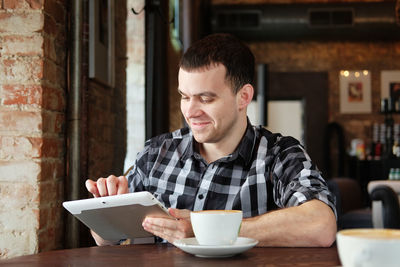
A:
[32,115]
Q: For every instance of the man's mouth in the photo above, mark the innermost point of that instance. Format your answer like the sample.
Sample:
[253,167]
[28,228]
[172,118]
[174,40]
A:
[199,124]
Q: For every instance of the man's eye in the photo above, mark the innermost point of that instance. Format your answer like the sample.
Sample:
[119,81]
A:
[206,99]
[184,98]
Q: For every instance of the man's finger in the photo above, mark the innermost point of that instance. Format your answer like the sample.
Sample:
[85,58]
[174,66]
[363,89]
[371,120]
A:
[164,228]
[102,187]
[160,222]
[112,184]
[179,213]
[122,185]
[91,186]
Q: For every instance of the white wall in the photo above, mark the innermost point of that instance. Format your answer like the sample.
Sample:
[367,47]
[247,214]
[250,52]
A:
[286,117]
[135,88]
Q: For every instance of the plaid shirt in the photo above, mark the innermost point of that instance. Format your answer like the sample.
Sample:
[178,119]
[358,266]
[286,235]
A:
[265,172]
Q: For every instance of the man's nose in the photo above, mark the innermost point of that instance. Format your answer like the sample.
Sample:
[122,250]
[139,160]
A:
[192,108]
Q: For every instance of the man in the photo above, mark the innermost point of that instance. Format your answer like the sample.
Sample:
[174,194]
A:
[221,161]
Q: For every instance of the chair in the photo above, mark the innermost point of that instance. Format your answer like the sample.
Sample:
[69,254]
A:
[385,196]
[349,204]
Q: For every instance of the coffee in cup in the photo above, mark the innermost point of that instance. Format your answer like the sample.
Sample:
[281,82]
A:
[216,227]
[369,247]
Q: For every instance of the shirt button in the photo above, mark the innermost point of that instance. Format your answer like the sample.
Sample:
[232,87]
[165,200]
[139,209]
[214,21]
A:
[201,196]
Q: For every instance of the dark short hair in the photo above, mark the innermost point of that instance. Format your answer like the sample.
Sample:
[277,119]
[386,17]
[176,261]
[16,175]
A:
[225,49]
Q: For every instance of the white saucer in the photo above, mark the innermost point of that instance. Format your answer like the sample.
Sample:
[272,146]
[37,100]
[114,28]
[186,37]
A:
[190,245]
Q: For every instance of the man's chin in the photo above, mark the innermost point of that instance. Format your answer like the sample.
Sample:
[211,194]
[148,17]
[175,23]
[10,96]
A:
[200,138]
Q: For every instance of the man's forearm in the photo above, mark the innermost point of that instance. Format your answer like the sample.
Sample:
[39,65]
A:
[312,224]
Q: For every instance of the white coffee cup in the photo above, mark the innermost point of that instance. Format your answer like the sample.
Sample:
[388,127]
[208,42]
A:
[369,247]
[216,227]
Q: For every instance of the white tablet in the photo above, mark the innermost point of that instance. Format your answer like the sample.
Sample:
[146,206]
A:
[117,217]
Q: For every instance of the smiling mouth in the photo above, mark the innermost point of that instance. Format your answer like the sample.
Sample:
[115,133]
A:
[199,124]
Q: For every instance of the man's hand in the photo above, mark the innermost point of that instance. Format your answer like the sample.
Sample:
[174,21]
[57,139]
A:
[109,186]
[170,229]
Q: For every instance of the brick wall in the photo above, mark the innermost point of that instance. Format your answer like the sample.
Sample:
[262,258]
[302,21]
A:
[234,2]
[331,57]
[32,115]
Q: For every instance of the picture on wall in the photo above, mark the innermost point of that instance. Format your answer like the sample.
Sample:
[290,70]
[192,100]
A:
[101,41]
[390,84]
[355,91]
[394,90]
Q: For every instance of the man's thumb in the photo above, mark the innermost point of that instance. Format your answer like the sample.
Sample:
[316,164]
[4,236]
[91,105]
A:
[179,214]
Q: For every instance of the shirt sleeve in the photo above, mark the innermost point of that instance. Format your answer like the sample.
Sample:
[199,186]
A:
[296,179]
[137,176]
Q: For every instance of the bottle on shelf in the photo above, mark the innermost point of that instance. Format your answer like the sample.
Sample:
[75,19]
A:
[397,174]
[387,108]
[391,174]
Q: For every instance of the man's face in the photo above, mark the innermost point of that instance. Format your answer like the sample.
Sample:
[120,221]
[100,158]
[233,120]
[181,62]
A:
[208,103]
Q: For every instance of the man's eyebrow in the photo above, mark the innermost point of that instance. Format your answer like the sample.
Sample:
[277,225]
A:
[208,94]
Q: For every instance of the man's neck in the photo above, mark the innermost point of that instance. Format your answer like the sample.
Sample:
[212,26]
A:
[214,151]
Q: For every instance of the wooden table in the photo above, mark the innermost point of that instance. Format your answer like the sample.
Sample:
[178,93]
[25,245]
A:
[167,255]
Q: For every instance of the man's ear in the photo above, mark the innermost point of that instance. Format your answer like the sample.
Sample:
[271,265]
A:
[245,95]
